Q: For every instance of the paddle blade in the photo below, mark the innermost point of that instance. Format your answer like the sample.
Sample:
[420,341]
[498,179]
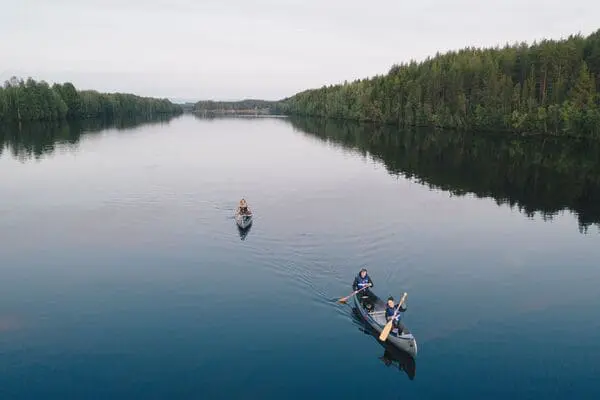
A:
[343,300]
[386,331]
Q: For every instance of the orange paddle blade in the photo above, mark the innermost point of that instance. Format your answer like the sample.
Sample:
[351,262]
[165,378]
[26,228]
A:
[343,300]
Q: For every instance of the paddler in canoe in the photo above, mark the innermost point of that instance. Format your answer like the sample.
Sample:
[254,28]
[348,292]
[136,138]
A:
[243,208]
[390,310]
[362,283]
[362,280]
[380,315]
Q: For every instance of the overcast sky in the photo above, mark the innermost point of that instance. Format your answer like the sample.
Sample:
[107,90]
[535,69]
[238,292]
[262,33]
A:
[234,49]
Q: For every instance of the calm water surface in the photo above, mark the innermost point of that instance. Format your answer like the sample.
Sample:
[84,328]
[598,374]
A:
[123,274]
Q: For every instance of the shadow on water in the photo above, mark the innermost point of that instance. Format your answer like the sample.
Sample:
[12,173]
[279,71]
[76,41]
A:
[33,140]
[392,356]
[536,174]
[243,231]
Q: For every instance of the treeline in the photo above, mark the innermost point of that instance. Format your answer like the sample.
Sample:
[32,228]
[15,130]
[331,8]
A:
[188,107]
[537,174]
[38,101]
[254,106]
[550,86]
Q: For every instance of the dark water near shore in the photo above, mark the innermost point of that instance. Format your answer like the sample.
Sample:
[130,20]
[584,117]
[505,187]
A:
[123,274]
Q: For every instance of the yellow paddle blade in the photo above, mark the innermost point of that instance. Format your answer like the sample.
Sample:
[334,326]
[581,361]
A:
[386,331]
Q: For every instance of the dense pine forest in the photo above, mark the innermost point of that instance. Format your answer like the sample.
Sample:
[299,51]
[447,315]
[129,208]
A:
[551,87]
[38,101]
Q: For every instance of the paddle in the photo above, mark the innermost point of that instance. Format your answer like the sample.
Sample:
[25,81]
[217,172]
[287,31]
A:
[388,327]
[344,299]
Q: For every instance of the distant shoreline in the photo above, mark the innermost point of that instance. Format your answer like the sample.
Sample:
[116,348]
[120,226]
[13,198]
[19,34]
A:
[237,114]
[31,100]
[551,87]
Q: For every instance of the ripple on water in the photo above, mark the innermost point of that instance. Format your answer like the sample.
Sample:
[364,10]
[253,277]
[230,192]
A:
[304,259]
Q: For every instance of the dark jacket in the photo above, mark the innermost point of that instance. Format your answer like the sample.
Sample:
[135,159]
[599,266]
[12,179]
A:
[389,312]
[359,282]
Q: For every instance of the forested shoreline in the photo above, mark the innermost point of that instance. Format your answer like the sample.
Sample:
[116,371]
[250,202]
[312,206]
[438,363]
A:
[32,100]
[248,106]
[549,87]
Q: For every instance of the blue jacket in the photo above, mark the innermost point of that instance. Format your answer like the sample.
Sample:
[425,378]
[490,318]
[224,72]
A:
[360,282]
[389,312]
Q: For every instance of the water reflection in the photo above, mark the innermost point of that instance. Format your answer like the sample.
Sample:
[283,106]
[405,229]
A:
[392,356]
[211,117]
[243,231]
[33,140]
[536,174]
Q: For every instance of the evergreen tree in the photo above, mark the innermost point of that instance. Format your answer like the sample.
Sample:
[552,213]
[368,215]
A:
[547,87]
[37,101]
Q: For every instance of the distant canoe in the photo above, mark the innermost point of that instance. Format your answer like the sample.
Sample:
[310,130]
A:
[243,220]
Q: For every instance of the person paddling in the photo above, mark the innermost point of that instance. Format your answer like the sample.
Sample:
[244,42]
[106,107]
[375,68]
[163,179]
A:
[243,207]
[390,309]
[362,280]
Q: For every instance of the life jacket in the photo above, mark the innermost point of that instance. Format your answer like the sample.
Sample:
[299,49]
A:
[389,312]
[362,282]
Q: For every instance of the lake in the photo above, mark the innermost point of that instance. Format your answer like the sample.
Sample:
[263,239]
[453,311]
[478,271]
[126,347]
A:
[123,274]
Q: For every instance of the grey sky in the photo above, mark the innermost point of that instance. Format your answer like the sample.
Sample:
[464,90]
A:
[233,49]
